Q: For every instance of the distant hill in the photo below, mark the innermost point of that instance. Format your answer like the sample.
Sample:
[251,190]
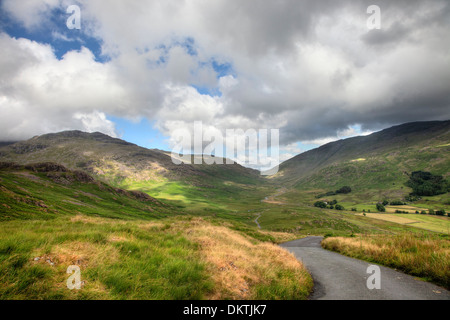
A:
[126,165]
[376,161]
[6,143]
[382,161]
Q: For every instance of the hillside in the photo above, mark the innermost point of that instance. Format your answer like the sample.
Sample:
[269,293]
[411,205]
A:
[128,245]
[126,165]
[49,190]
[376,161]
[140,227]
[376,167]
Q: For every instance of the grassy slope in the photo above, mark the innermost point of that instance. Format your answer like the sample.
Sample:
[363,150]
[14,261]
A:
[125,165]
[376,166]
[28,195]
[130,249]
[165,259]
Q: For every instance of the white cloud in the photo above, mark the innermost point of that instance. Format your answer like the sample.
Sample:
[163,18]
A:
[39,93]
[310,68]
[31,13]
[96,122]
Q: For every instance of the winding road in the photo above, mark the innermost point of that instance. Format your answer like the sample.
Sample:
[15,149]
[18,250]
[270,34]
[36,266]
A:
[337,277]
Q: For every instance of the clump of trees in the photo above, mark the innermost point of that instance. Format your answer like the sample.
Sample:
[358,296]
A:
[320,204]
[412,198]
[426,184]
[397,203]
[343,190]
[329,205]
[430,212]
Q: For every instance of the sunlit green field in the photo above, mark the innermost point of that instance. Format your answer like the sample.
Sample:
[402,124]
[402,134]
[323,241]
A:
[432,223]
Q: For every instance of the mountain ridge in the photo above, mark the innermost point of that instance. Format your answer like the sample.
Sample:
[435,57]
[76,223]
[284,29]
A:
[387,141]
[374,161]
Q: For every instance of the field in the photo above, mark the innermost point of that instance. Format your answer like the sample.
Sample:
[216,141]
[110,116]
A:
[431,223]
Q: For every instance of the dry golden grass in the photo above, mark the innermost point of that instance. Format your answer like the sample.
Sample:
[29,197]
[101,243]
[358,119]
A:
[82,254]
[177,258]
[390,218]
[423,256]
[280,237]
[239,265]
[78,253]
[86,219]
[151,225]
[410,209]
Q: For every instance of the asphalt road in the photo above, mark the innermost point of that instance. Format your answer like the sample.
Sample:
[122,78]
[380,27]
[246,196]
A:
[337,277]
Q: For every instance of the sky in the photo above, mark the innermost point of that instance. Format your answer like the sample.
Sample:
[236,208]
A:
[141,70]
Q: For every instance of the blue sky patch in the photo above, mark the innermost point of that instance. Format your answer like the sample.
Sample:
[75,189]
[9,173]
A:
[55,33]
[141,133]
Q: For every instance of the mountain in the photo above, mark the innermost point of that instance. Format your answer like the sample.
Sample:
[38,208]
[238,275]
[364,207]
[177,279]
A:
[126,165]
[382,161]
[376,161]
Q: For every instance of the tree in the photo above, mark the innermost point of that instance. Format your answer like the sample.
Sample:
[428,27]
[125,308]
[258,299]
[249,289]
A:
[440,212]
[380,207]
[344,190]
[320,204]
[397,203]
[339,207]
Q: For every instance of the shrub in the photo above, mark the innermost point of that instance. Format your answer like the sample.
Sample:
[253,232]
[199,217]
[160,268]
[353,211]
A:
[397,203]
[412,198]
[380,207]
[440,212]
[339,207]
[344,190]
[320,204]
